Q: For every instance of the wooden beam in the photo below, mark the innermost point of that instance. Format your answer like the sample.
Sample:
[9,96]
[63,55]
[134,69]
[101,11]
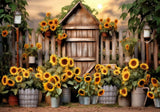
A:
[81,39]
[81,27]
[84,59]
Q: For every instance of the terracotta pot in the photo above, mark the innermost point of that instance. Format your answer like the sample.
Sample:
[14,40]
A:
[13,100]
[59,42]
[104,34]
[47,33]
[48,100]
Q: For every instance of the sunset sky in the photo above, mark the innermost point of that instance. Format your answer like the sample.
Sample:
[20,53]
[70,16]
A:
[106,8]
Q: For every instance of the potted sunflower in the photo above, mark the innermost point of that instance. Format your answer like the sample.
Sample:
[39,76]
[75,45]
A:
[109,82]
[4,30]
[31,51]
[107,26]
[154,91]
[135,79]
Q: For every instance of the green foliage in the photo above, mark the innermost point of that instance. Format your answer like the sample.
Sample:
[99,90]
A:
[67,8]
[141,11]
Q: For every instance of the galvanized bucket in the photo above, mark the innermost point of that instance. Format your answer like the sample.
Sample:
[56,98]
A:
[28,97]
[55,102]
[109,96]
[94,99]
[156,102]
[81,101]
[86,100]
[124,101]
[66,95]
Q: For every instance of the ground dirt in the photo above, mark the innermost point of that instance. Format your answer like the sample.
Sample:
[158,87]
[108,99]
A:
[76,107]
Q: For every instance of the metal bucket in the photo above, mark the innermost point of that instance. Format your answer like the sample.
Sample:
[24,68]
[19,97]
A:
[156,102]
[124,101]
[109,96]
[32,59]
[94,99]
[55,102]
[66,95]
[28,97]
[138,97]
[81,100]
[86,100]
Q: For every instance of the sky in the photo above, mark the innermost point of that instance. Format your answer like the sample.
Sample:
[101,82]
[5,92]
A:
[105,8]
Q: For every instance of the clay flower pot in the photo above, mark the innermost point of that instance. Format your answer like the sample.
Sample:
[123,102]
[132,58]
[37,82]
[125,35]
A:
[13,100]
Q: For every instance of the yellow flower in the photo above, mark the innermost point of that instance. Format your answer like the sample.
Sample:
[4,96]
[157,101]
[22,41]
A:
[69,73]
[49,86]
[133,63]
[97,66]
[64,35]
[116,72]
[88,79]
[55,21]
[100,27]
[77,71]
[46,75]
[127,47]
[144,66]
[104,71]
[123,92]
[53,60]
[39,45]
[4,80]
[48,14]
[106,25]
[24,55]
[60,37]
[10,82]
[57,78]
[19,78]
[108,66]
[58,85]
[14,70]
[108,19]
[26,74]
[86,74]
[97,80]
[30,69]
[147,78]
[43,23]
[125,75]
[116,21]
[78,78]
[154,82]
[50,22]
[81,92]
[97,74]
[125,69]
[38,75]
[64,78]
[101,20]
[26,46]
[118,68]
[141,83]
[71,62]
[52,80]
[64,62]
[4,33]
[31,45]
[53,27]
[150,95]
[100,92]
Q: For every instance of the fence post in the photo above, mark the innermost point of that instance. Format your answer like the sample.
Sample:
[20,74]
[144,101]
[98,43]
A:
[114,45]
[120,48]
[40,51]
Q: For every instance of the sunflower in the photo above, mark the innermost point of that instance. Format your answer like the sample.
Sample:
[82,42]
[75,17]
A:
[86,74]
[4,33]
[115,27]
[58,85]
[43,23]
[116,21]
[64,35]
[64,78]
[46,75]
[53,60]
[10,82]
[64,62]
[24,55]
[150,95]
[4,80]
[133,63]
[106,25]
[123,92]
[53,27]
[125,69]
[88,79]
[154,82]
[50,86]
[71,62]
[45,86]
[26,74]
[125,75]
[60,37]
[108,66]
[116,72]
[104,71]
[57,78]
[26,46]
[39,45]
[117,68]
[48,14]
[100,92]
[13,70]
[97,74]
[69,73]
[127,47]
[97,67]
[38,75]
[102,66]
[78,78]
[81,92]
[101,20]
[19,78]
[148,76]
[97,80]
[30,69]
[52,80]
[55,21]
[100,27]
[108,19]
[19,70]
[77,71]
[50,22]
[141,83]
[144,66]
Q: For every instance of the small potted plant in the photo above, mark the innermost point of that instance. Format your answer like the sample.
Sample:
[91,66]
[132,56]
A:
[4,30]
[107,26]
[32,51]
[154,92]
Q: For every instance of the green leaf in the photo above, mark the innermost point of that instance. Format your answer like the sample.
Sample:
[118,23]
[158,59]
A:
[48,94]
[76,87]
[59,69]
[13,7]
[1,10]
[134,83]
[123,15]
[64,85]
[59,91]
[15,91]
[5,92]
[70,82]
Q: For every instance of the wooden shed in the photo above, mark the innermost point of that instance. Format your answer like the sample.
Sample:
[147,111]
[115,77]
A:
[82,43]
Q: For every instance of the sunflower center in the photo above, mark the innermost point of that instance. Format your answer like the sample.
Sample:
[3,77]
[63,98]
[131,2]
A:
[10,82]
[64,77]
[144,67]
[141,82]
[106,25]
[13,70]
[101,92]
[53,59]
[56,22]
[81,92]
[97,79]
[154,81]
[50,86]
[43,23]
[4,80]
[126,76]
[69,73]
[52,80]
[4,33]
[64,61]
[78,78]
[47,75]
[123,91]
[151,95]
[87,78]
[133,63]
[77,71]
[104,71]
[26,74]
[19,78]
[56,78]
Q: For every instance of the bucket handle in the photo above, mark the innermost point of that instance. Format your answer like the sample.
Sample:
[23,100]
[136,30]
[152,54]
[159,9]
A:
[147,88]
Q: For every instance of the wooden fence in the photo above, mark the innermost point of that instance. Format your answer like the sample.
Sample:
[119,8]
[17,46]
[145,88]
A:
[110,49]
